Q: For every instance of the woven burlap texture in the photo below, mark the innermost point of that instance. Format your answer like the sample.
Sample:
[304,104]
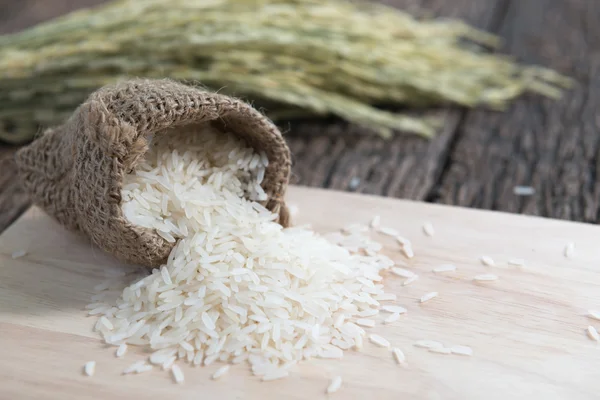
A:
[75,171]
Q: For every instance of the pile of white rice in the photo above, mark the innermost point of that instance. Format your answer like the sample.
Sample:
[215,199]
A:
[236,286]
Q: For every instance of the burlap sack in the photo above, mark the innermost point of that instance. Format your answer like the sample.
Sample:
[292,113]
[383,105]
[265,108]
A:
[75,171]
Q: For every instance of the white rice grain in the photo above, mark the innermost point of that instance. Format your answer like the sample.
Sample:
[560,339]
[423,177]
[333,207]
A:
[368,313]
[379,340]
[593,333]
[440,350]
[404,273]
[356,228]
[428,344]
[428,229]
[332,352]
[444,268]
[385,297]
[133,367]
[410,280]
[358,342]
[485,277]
[121,350]
[89,368]
[334,385]
[106,323]
[392,318]
[408,251]
[399,356]
[143,368]
[428,296]
[275,374]
[394,309]
[169,363]
[523,191]
[375,222]
[212,358]
[487,261]
[402,241]
[177,374]
[354,182]
[388,231]
[594,314]
[18,254]
[516,262]
[165,275]
[569,251]
[461,350]
[294,210]
[365,322]
[220,372]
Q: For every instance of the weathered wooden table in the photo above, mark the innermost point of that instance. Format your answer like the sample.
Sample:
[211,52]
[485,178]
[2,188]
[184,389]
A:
[479,156]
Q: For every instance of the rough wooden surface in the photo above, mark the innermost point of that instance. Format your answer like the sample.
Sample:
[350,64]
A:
[16,15]
[553,146]
[13,199]
[479,156]
[527,329]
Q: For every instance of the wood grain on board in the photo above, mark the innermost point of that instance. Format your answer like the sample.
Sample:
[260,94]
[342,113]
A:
[527,329]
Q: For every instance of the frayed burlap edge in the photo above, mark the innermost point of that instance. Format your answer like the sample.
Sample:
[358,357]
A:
[75,171]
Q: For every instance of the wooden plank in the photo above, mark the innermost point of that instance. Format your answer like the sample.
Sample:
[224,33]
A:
[526,329]
[13,198]
[553,146]
[342,157]
[18,15]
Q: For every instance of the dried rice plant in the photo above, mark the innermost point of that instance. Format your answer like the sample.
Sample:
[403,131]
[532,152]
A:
[293,58]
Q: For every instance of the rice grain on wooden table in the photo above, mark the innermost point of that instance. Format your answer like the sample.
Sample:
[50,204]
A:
[428,344]
[444,268]
[379,340]
[462,350]
[410,280]
[487,261]
[399,356]
[428,296]
[569,251]
[177,373]
[220,372]
[440,350]
[89,368]
[517,262]
[593,333]
[594,314]
[404,273]
[485,277]
[18,254]
[393,309]
[121,350]
[334,385]
[428,229]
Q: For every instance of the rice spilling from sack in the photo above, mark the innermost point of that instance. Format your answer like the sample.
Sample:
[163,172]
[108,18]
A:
[237,286]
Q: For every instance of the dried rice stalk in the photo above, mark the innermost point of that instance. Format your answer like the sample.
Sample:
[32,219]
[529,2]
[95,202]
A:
[293,57]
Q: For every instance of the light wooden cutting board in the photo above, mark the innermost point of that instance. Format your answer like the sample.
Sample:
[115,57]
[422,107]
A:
[527,329]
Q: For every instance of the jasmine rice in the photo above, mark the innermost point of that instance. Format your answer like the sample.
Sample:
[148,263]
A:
[237,287]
